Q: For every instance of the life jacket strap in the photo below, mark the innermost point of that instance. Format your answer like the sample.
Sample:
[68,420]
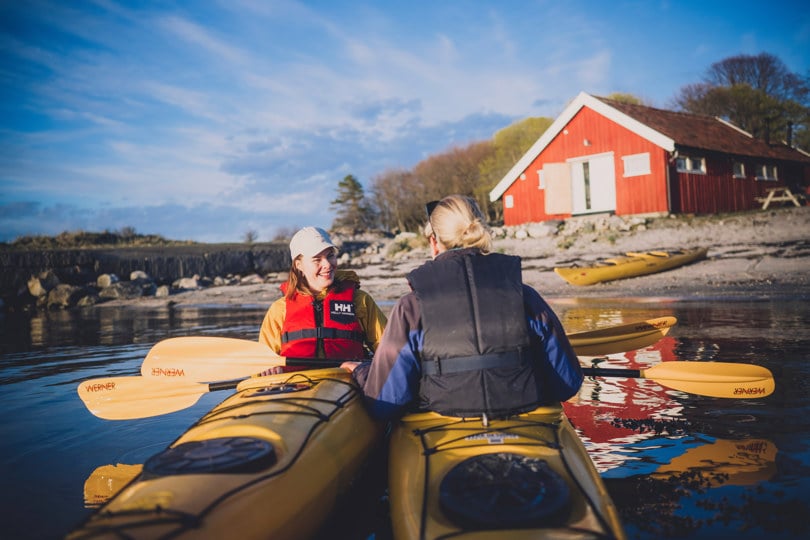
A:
[457,364]
[322,333]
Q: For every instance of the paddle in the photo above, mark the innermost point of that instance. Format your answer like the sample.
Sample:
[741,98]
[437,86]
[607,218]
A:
[126,398]
[206,358]
[713,379]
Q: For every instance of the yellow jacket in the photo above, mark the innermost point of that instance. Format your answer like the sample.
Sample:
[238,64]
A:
[370,316]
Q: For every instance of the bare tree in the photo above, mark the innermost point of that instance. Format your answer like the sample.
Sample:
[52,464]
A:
[250,237]
[757,93]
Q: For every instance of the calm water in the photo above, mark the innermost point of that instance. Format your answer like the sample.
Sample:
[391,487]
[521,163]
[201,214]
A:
[677,465]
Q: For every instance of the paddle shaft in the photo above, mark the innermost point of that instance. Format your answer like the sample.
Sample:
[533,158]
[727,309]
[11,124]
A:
[612,372]
[294,365]
[206,358]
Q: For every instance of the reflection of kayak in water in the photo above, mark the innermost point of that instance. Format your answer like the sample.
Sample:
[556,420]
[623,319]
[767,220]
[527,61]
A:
[721,461]
[106,481]
[741,463]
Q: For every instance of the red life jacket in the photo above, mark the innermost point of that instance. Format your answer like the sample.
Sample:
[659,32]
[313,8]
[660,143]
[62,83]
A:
[331,321]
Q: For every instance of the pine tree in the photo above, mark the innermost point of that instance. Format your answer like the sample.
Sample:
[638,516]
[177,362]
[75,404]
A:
[353,213]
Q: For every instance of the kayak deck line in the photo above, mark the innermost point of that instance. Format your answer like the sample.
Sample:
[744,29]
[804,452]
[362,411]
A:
[527,476]
[292,443]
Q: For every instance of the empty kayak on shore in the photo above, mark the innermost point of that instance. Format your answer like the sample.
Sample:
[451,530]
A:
[270,461]
[631,265]
[528,476]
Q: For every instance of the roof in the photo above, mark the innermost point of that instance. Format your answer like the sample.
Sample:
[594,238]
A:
[706,132]
[668,129]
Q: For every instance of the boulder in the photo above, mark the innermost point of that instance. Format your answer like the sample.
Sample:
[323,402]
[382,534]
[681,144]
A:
[105,280]
[42,283]
[121,290]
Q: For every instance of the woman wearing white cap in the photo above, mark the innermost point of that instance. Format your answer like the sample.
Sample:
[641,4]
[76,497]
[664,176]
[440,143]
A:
[323,313]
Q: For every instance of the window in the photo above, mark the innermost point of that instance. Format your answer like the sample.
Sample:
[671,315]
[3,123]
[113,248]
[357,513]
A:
[766,172]
[541,180]
[637,164]
[691,164]
[739,169]
[509,201]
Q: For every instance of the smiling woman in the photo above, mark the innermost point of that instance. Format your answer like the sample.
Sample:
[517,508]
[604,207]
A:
[323,313]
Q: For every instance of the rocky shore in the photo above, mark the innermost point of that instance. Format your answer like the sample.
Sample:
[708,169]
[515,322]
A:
[760,254]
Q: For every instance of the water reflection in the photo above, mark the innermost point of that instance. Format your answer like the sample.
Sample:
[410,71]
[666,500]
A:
[106,481]
[122,325]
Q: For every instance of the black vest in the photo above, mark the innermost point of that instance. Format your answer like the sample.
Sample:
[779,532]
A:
[475,354]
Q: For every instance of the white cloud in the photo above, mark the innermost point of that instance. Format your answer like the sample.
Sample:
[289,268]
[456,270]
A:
[222,113]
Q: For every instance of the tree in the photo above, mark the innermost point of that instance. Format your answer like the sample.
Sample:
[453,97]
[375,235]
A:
[758,94]
[628,98]
[395,195]
[250,236]
[353,213]
[508,146]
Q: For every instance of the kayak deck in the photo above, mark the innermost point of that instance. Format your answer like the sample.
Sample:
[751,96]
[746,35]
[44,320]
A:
[270,461]
[631,265]
[528,476]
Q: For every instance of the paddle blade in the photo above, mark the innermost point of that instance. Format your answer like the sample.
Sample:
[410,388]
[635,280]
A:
[127,398]
[714,379]
[207,358]
[621,338]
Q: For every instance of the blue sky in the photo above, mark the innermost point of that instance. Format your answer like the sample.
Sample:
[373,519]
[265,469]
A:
[202,120]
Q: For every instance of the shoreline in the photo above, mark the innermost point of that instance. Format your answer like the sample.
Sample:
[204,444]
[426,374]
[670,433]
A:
[754,256]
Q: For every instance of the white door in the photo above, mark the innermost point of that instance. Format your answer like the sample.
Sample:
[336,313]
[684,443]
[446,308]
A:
[593,185]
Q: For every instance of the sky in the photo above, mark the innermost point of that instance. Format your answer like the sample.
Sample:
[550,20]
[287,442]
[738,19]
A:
[204,120]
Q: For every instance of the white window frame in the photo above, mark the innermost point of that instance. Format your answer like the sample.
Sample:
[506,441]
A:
[738,166]
[541,179]
[636,164]
[508,201]
[767,173]
[689,164]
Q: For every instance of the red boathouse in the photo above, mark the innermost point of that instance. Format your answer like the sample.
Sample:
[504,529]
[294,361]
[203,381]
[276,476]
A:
[607,156]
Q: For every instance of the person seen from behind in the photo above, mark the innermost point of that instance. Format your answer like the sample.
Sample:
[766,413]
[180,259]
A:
[323,313]
[470,339]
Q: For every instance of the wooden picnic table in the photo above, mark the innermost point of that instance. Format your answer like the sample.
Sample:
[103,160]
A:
[778,194]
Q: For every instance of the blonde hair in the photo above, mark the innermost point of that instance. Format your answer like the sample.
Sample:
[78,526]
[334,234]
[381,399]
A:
[457,222]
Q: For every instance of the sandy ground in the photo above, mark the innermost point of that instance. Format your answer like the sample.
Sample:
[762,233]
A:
[760,254]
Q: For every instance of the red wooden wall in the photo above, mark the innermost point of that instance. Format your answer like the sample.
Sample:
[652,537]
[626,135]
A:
[713,192]
[634,195]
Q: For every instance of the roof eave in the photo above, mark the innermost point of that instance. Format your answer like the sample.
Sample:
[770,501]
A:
[583,99]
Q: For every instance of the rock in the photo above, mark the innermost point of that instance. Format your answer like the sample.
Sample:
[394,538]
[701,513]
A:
[148,287]
[90,299]
[540,230]
[121,290]
[40,284]
[187,283]
[162,291]
[137,275]
[253,279]
[65,296]
[105,280]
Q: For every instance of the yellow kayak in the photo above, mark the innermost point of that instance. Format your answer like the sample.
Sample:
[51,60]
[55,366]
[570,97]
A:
[631,265]
[271,461]
[528,476]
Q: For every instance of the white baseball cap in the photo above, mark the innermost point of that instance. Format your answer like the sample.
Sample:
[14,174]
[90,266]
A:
[310,241]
